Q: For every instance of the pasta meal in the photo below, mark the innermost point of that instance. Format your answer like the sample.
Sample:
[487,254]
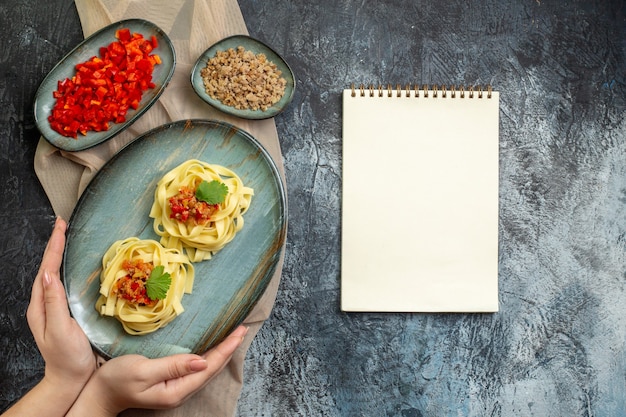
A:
[198,207]
[142,284]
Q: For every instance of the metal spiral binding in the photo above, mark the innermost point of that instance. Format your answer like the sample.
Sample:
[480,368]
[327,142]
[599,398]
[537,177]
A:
[415,91]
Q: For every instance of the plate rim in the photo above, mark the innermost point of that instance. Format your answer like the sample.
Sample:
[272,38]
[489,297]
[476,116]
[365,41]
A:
[118,127]
[281,235]
[244,114]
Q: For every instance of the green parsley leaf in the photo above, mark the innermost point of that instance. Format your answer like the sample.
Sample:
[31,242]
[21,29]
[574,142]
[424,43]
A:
[158,283]
[213,192]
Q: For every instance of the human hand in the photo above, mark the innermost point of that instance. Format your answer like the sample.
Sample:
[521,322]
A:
[65,349]
[133,381]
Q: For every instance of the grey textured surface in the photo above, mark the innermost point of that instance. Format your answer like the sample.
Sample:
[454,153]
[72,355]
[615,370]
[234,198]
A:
[556,348]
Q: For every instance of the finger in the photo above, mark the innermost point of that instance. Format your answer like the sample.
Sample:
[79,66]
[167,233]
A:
[173,391]
[57,315]
[220,355]
[36,312]
[173,367]
[53,254]
[51,261]
[216,359]
[228,346]
[177,366]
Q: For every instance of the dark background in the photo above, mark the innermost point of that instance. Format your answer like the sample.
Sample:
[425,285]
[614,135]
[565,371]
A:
[556,348]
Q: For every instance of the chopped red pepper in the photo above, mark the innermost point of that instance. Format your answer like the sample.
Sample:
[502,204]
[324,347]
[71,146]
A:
[185,207]
[104,88]
[123,35]
[132,286]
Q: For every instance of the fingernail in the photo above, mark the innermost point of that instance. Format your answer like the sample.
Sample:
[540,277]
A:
[197,365]
[241,331]
[58,221]
[47,280]
[243,334]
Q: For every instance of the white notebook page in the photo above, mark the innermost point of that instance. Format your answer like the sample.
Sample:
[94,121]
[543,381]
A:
[420,203]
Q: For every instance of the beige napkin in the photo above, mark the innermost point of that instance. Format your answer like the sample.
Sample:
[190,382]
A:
[193,26]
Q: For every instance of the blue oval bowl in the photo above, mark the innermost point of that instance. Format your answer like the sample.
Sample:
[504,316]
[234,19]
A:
[44,101]
[258,47]
[116,205]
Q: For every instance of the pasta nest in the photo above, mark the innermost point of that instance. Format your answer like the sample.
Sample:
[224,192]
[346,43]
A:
[200,241]
[135,318]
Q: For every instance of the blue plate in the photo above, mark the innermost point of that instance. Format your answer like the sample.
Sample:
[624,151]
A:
[258,47]
[115,206]
[44,102]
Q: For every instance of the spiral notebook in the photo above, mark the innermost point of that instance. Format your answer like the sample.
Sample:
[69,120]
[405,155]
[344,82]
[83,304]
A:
[420,199]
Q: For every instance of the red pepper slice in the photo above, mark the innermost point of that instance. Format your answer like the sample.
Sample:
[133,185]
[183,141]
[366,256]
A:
[123,35]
